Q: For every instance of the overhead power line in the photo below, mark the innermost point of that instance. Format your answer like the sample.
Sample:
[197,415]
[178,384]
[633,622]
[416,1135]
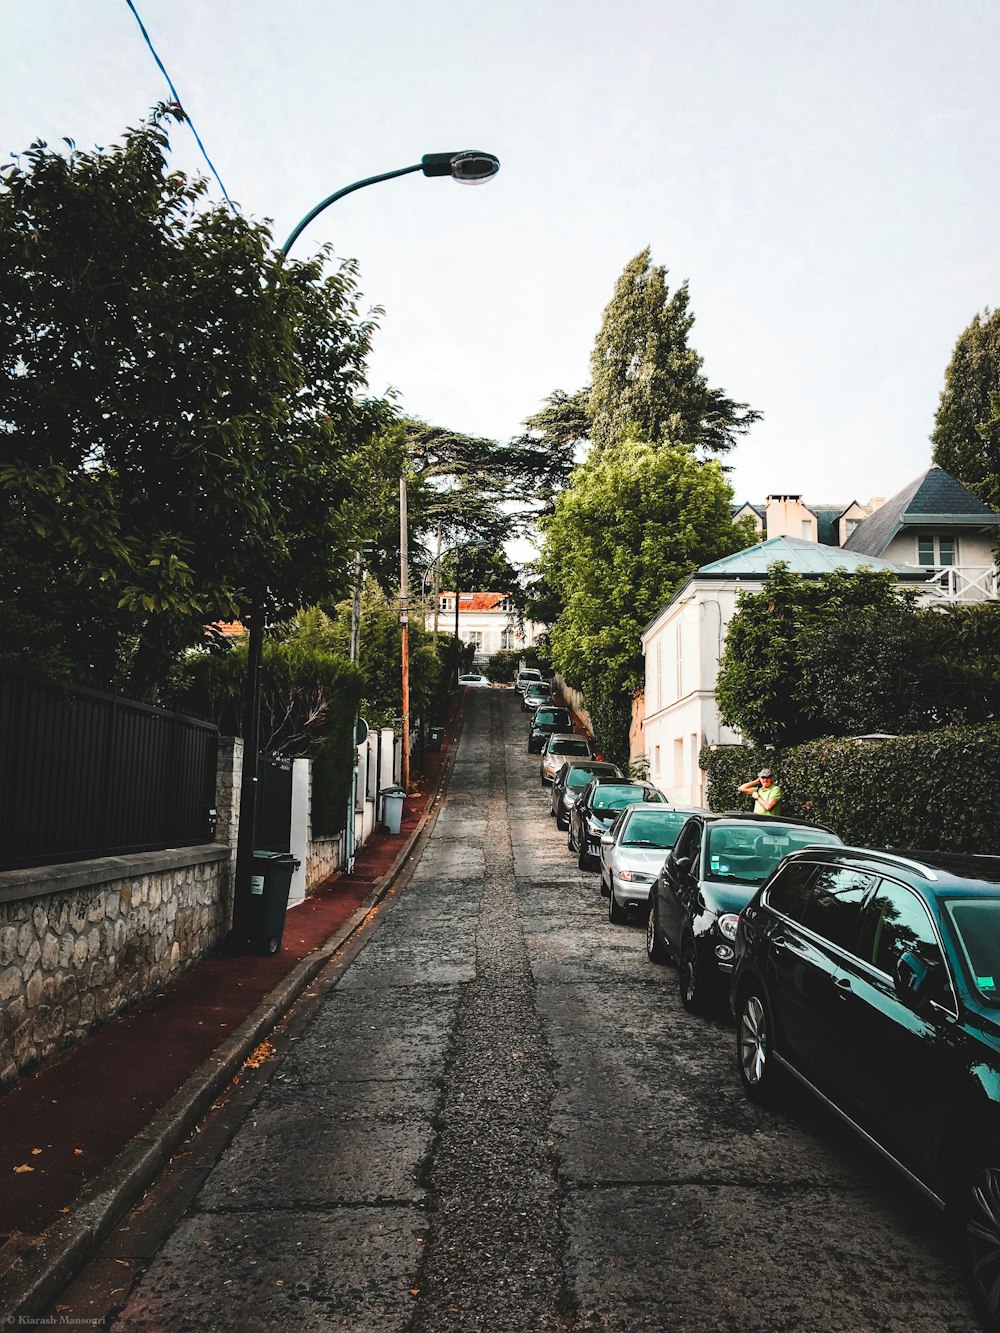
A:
[176,96]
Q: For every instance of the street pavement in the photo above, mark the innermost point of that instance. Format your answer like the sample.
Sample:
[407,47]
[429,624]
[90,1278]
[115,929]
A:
[496,1115]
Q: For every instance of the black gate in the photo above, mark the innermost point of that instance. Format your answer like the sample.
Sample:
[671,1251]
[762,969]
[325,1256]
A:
[84,773]
[274,804]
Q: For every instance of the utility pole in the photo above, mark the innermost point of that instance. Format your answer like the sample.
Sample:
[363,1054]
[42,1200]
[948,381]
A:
[404,624]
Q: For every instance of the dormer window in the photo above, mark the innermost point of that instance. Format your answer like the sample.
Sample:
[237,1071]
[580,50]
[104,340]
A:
[936,550]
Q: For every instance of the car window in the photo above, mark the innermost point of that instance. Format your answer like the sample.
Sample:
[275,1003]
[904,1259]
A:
[557,746]
[834,907]
[577,778]
[612,796]
[977,925]
[896,922]
[652,828]
[748,853]
[788,892]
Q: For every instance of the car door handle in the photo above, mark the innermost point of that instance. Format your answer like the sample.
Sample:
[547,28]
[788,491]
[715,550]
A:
[843,985]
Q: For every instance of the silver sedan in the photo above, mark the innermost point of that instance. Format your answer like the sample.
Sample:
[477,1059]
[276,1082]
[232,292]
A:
[633,851]
[558,748]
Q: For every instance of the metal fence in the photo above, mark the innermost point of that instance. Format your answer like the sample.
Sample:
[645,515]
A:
[274,804]
[84,773]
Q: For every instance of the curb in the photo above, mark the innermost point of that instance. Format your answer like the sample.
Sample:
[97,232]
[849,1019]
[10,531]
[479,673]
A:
[35,1278]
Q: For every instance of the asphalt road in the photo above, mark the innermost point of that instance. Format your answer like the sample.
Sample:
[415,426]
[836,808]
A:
[498,1117]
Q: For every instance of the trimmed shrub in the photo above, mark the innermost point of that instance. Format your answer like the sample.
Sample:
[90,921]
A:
[936,791]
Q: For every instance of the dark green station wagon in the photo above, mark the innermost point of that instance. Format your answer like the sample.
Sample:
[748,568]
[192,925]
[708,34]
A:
[874,979]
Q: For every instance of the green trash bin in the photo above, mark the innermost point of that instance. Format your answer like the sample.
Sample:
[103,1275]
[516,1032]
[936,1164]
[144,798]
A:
[270,882]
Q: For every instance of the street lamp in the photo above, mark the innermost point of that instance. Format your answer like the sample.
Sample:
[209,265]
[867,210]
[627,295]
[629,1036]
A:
[468,167]
[458,546]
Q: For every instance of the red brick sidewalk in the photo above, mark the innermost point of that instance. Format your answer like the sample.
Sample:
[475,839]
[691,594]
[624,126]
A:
[66,1122]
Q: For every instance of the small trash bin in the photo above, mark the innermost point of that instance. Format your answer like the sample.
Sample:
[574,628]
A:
[270,881]
[435,738]
[392,808]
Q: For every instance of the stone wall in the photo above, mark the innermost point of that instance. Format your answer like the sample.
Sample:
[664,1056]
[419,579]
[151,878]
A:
[80,942]
[326,857]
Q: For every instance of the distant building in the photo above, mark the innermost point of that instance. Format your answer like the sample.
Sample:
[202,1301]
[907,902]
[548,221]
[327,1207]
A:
[489,620]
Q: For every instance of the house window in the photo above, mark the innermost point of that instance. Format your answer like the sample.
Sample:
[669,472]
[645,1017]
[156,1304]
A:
[678,763]
[506,639]
[475,637]
[656,760]
[807,530]
[936,550]
[850,524]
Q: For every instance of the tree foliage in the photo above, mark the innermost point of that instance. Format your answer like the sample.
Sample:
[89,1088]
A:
[847,654]
[646,377]
[635,520]
[966,435]
[174,399]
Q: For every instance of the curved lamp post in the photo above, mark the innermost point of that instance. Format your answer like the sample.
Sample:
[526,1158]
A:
[468,167]
[458,546]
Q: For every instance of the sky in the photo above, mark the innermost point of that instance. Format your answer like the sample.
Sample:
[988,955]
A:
[823,174]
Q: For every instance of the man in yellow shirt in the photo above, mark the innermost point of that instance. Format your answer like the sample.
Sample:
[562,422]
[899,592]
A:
[765,792]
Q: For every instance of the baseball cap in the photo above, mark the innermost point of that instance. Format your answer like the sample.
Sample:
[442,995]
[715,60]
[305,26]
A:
[765,773]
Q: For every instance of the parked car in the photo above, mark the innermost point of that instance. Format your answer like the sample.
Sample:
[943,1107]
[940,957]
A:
[559,748]
[475,679]
[545,721]
[535,694]
[874,978]
[570,781]
[633,851]
[712,871]
[594,810]
[525,677]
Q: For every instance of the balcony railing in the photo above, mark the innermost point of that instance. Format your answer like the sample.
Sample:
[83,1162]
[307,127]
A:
[964,583]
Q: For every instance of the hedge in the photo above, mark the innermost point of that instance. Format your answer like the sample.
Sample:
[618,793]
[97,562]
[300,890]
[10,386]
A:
[937,791]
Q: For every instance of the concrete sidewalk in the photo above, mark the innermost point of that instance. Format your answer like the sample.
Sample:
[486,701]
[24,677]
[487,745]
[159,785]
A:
[83,1136]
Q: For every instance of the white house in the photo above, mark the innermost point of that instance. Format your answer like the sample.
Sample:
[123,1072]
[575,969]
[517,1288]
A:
[489,620]
[683,645]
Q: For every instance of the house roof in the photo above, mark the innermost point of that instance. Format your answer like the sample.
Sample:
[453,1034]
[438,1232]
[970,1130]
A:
[935,497]
[801,556]
[478,601]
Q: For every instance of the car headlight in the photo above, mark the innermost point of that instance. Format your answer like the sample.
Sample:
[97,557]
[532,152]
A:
[728,924]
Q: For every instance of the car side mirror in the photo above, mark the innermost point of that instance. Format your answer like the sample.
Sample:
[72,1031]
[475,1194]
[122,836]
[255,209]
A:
[682,862]
[912,980]
[607,840]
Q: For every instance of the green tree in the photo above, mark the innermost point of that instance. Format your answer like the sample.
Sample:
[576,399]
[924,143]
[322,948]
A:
[635,520]
[544,457]
[838,655]
[174,398]
[966,435]
[646,377]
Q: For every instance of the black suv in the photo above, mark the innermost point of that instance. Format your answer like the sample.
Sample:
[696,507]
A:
[874,978]
[715,867]
[547,721]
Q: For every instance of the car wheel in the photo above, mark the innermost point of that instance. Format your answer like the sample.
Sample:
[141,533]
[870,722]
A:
[561,821]
[569,837]
[616,913]
[692,984]
[605,889]
[583,860]
[978,1218]
[755,1047]
[655,951]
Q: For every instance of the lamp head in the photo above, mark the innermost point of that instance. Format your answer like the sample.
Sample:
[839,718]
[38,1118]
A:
[470,167]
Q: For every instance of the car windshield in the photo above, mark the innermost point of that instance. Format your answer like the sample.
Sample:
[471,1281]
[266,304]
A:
[578,777]
[548,716]
[615,796]
[535,690]
[747,853]
[977,925]
[569,746]
[653,828]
